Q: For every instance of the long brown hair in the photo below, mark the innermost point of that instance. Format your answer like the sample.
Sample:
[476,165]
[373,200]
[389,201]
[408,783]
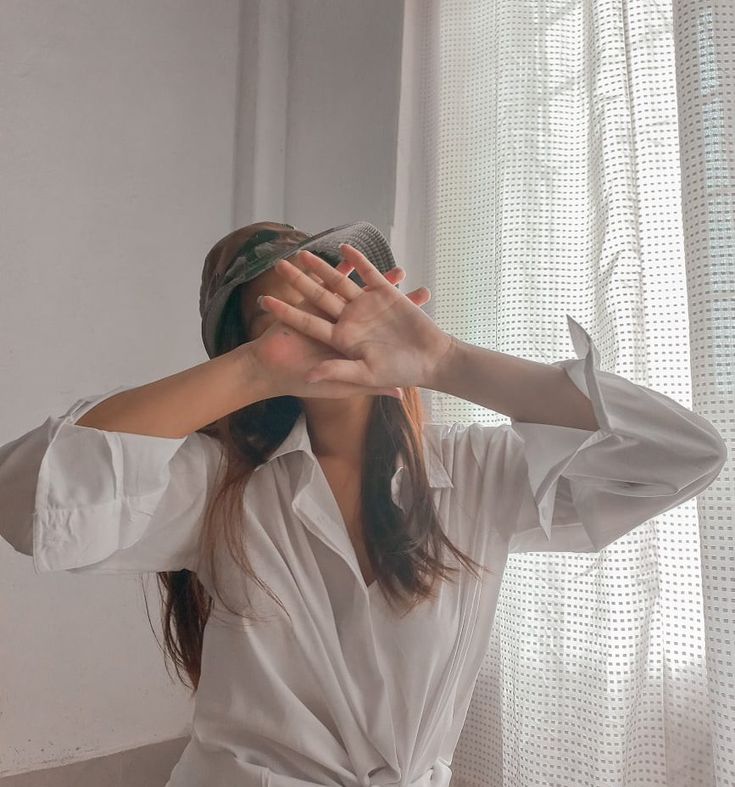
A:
[404,548]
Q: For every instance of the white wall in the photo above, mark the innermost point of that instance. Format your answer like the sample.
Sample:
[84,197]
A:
[325,78]
[129,146]
[116,159]
[343,112]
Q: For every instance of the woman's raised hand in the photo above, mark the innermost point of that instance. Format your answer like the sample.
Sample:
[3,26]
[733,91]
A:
[285,356]
[380,337]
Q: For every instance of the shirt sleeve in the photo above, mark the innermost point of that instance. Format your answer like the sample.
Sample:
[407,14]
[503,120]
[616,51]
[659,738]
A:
[86,500]
[561,489]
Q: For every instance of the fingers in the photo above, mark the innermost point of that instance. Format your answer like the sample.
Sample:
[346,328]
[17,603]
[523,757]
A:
[352,259]
[420,296]
[314,278]
[335,278]
[322,297]
[340,370]
[326,287]
[367,271]
[302,321]
[395,275]
[349,372]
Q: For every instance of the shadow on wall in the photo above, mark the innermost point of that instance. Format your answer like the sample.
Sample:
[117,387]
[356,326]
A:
[146,766]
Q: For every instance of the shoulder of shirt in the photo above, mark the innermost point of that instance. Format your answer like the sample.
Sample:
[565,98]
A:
[434,434]
[445,438]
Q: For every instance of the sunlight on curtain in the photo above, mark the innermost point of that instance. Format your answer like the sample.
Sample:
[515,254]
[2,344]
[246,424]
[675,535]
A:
[539,176]
[705,64]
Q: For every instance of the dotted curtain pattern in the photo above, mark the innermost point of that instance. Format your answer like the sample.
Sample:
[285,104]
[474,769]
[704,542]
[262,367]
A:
[577,158]
[704,33]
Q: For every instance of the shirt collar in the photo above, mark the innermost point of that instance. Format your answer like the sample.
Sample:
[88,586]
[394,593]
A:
[298,440]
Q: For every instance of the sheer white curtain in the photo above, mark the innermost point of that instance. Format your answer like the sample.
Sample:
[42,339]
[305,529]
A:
[545,168]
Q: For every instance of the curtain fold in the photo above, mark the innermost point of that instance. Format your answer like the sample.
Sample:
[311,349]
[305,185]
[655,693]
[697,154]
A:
[704,33]
[545,167]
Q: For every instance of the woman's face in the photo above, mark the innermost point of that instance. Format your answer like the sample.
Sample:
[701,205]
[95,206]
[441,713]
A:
[255,319]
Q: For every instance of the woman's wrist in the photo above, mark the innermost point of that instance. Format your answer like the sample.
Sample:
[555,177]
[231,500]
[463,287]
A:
[254,377]
[444,364]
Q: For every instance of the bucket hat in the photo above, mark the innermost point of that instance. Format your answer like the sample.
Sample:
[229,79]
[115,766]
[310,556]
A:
[249,251]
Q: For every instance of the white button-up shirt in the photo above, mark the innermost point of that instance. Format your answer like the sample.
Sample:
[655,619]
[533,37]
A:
[347,692]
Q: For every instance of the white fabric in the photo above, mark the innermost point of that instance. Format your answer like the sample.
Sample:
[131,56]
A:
[348,694]
[703,41]
[577,158]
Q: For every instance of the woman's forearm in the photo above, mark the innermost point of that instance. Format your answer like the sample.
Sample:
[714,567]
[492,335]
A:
[524,390]
[178,405]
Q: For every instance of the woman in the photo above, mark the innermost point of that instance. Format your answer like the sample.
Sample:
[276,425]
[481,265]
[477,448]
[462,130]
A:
[352,640]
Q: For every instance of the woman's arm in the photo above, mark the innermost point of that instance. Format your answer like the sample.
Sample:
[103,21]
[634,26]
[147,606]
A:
[178,405]
[422,354]
[524,390]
